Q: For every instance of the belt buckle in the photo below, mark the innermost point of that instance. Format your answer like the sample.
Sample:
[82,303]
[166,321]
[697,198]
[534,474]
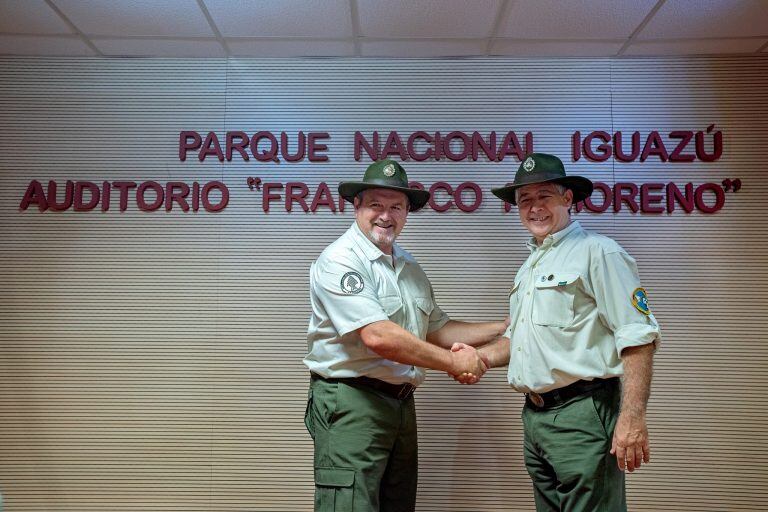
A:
[405,391]
[536,398]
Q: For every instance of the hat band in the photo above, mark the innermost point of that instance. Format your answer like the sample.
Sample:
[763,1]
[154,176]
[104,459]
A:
[386,183]
[538,178]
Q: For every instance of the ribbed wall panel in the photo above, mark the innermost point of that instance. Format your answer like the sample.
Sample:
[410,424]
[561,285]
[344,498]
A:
[152,361]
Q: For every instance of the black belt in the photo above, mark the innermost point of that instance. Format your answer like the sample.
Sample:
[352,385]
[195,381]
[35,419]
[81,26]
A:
[560,396]
[398,391]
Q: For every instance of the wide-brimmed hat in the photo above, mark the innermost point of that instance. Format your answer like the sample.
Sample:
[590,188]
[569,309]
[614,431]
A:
[385,174]
[544,168]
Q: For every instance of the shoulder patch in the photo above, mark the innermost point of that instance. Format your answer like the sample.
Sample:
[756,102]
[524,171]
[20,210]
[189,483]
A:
[640,301]
[352,282]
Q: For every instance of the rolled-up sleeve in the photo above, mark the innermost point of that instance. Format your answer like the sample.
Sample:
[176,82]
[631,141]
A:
[346,293]
[615,279]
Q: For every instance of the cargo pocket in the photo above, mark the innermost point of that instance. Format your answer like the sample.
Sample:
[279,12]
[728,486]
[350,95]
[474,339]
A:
[553,299]
[333,489]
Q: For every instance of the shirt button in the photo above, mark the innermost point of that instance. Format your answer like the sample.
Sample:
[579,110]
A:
[522,321]
[527,293]
[519,349]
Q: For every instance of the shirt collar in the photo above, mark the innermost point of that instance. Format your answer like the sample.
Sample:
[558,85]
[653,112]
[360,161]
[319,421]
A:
[555,238]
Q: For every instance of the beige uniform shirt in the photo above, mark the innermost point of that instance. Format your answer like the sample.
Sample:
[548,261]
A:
[575,305]
[353,284]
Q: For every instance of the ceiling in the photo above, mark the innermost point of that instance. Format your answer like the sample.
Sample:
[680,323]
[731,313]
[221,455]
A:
[382,28]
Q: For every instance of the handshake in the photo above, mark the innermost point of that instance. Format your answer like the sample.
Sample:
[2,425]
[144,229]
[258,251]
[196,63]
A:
[469,365]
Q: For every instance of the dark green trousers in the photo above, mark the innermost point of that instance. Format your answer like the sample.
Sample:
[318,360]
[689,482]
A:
[366,453]
[567,454]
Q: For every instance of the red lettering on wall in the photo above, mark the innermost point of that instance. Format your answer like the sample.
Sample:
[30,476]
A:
[93,191]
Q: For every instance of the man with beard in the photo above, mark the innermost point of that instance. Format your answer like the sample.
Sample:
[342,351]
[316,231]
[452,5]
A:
[374,329]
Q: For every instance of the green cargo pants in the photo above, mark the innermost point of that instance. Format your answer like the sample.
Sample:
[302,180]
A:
[567,454]
[365,448]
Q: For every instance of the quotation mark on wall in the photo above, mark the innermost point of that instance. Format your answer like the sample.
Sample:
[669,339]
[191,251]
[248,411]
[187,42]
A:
[729,184]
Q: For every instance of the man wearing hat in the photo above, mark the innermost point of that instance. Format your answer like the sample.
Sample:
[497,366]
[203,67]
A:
[581,340]
[372,310]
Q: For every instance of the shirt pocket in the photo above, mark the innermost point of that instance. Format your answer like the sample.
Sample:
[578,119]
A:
[512,297]
[424,308]
[425,305]
[553,298]
[393,307]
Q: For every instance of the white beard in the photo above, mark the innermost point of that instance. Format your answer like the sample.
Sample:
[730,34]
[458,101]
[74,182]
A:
[382,239]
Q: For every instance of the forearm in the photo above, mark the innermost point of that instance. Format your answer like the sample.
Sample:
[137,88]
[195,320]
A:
[469,333]
[392,342]
[636,384]
[630,438]
[496,353]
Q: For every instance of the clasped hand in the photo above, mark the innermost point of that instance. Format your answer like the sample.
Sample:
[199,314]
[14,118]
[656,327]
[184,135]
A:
[469,364]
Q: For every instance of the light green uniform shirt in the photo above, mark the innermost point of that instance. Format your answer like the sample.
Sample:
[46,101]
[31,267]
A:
[353,284]
[572,311]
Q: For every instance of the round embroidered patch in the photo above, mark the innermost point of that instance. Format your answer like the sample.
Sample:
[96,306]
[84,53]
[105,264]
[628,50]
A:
[389,170]
[640,301]
[352,282]
[529,164]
